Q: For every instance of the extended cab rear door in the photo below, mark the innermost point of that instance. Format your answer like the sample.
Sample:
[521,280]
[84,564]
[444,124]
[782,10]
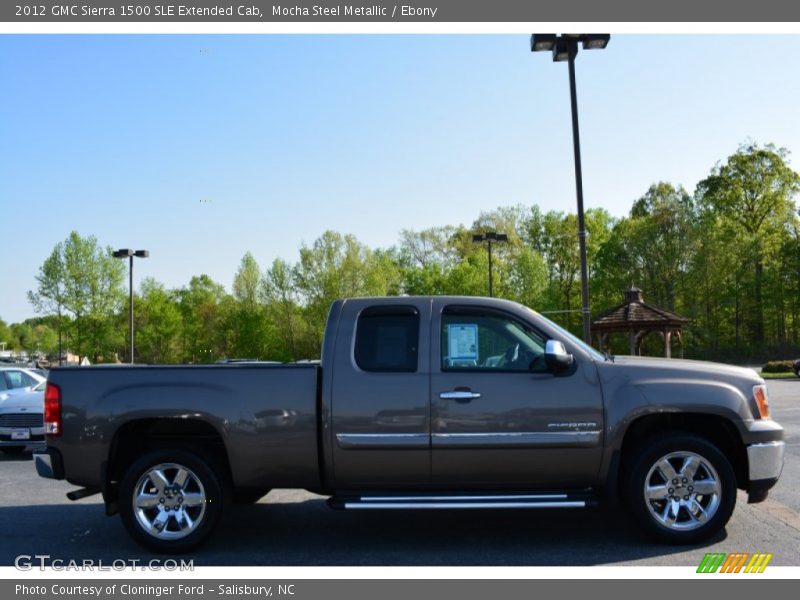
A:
[380,407]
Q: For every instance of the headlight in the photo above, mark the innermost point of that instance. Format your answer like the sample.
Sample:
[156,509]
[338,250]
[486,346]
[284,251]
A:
[762,400]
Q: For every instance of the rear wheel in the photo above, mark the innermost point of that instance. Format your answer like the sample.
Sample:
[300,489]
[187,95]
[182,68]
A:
[170,500]
[680,488]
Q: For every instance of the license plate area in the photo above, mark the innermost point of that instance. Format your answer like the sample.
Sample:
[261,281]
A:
[20,433]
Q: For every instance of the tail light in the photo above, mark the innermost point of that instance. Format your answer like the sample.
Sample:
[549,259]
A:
[762,400]
[52,410]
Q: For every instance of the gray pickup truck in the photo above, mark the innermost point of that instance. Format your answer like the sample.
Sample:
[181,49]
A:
[418,403]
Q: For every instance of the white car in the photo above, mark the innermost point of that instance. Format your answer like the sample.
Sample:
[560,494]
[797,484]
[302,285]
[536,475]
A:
[12,378]
[22,418]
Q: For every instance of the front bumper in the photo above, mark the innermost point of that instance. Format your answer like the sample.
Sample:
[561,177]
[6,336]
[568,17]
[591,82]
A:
[765,464]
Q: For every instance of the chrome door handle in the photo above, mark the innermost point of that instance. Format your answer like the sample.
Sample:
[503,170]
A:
[459,395]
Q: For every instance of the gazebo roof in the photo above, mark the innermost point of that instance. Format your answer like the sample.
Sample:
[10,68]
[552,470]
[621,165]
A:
[635,313]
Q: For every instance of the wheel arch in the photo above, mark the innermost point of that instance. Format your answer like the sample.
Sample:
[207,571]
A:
[139,436]
[714,428]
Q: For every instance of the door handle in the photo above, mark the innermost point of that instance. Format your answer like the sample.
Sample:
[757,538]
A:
[459,395]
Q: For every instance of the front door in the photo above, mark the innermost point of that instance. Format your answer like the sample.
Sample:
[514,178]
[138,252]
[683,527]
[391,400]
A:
[499,417]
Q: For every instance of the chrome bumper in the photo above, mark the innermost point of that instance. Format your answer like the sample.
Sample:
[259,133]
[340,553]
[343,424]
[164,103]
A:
[765,460]
[44,464]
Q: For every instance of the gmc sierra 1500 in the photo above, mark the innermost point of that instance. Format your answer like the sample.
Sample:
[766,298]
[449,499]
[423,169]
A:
[418,403]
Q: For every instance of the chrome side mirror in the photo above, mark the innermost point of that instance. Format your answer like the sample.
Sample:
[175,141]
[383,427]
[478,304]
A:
[556,356]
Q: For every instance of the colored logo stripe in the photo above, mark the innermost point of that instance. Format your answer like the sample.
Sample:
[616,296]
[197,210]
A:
[758,563]
[711,562]
[734,563]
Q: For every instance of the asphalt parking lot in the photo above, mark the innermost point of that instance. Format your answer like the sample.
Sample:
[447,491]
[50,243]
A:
[297,528]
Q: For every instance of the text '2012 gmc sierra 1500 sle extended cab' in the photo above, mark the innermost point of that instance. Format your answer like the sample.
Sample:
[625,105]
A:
[417,403]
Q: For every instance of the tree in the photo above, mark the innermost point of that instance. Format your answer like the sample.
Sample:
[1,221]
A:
[5,335]
[158,324]
[337,266]
[754,191]
[279,295]
[51,289]
[199,305]
[246,281]
[250,331]
[83,279]
[653,246]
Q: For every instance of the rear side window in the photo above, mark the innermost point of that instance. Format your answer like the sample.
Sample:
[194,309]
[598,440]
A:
[387,339]
[18,379]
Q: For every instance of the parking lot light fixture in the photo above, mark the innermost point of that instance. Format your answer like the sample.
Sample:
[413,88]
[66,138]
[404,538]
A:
[130,254]
[565,48]
[543,42]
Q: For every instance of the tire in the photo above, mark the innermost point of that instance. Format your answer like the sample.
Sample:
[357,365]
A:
[170,500]
[673,511]
[14,450]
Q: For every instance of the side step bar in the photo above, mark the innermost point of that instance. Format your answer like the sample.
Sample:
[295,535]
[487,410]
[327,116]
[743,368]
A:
[368,501]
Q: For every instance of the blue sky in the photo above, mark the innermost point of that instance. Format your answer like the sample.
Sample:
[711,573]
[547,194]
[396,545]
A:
[282,137]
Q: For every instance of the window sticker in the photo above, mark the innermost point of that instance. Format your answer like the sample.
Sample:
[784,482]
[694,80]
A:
[463,341]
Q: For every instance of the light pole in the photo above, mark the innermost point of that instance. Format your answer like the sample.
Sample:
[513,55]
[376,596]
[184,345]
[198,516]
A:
[489,237]
[565,48]
[128,253]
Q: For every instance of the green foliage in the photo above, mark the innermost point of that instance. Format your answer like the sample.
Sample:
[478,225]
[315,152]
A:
[83,280]
[727,257]
[778,366]
[158,324]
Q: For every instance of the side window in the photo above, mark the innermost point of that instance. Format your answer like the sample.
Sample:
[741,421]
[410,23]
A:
[3,384]
[387,339]
[482,340]
[15,379]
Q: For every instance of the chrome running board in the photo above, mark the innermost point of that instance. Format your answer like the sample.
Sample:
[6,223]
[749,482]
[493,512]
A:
[372,501]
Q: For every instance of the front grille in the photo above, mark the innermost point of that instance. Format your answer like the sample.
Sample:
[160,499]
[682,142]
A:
[22,420]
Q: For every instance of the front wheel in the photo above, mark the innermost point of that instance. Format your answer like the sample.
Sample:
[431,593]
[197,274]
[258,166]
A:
[170,500]
[681,488]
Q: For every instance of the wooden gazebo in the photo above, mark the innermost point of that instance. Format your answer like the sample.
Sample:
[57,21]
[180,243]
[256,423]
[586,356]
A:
[637,319]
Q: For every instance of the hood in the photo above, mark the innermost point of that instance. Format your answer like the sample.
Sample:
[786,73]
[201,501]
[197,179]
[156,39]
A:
[13,400]
[689,368]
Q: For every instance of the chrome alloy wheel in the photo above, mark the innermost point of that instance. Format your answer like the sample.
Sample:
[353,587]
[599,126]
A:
[169,501]
[682,491]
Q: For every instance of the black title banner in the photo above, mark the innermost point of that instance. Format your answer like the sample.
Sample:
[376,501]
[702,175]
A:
[255,11]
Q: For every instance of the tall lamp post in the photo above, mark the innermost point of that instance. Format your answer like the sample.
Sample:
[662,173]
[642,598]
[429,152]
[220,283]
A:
[489,237]
[129,254]
[565,48]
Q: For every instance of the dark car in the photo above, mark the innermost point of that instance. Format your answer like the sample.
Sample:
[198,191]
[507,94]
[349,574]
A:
[796,367]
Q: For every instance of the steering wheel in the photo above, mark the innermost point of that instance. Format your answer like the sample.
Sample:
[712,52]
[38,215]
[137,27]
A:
[518,357]
[511,355]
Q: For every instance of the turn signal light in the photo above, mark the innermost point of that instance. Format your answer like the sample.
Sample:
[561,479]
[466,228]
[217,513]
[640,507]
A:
[52,410]
[762,400]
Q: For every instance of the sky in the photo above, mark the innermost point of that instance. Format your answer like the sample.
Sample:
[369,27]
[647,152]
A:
[200,148]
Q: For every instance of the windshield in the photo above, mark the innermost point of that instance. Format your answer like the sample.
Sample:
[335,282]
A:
[575,340]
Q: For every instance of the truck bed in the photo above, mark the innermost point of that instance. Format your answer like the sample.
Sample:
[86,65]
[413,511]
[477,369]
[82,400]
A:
[259,410]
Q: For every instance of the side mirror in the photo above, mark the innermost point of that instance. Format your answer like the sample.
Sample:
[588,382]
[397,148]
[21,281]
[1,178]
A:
[556,356]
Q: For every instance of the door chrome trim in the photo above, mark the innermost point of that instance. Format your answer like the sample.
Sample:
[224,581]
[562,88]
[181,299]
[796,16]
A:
[383,440]
[516,439]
